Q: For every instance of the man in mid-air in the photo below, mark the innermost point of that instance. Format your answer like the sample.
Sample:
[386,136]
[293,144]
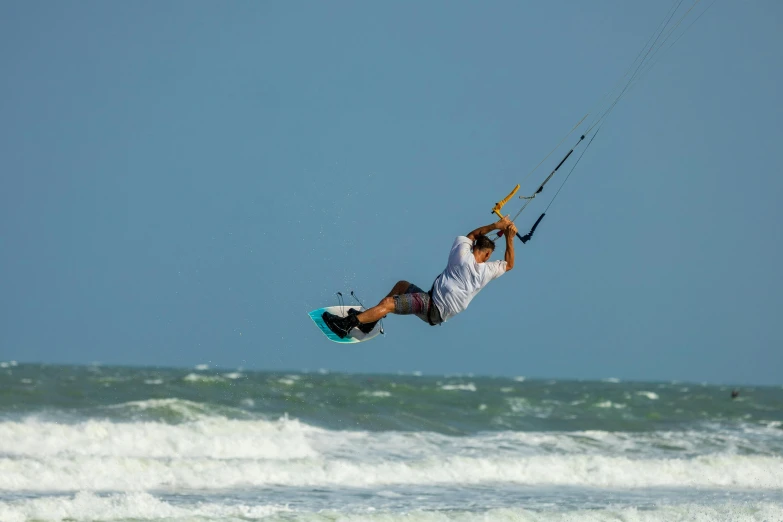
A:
[468,271]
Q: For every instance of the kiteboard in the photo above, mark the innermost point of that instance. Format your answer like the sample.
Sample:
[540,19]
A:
[354,336]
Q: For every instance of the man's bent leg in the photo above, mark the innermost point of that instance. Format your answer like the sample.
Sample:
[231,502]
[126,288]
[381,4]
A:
[366,320]
[385,307]
[400,288]
[378,312]
[389,303]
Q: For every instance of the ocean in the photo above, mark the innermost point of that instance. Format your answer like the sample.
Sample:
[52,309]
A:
[95,443]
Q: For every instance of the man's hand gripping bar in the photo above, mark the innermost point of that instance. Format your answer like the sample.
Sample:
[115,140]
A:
[499,205]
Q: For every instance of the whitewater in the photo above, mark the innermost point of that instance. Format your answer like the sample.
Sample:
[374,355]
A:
[129,444]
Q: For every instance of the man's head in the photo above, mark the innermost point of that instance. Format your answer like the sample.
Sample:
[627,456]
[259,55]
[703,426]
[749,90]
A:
[483,248]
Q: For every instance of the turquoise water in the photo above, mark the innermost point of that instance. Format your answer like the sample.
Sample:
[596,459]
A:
[103,443]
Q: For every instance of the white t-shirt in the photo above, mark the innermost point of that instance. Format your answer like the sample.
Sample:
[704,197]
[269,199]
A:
[463,278]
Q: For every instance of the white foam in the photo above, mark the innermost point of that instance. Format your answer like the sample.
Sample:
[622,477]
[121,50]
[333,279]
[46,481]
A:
[377,393]
[203,432]
[196,377]
[136,474]
[650,395]
[129,506]
[761,512]
[143,506]
[213,452]
[729,512]
[522,406]
[182,409]
[459,387]
[610,404]
[213,437]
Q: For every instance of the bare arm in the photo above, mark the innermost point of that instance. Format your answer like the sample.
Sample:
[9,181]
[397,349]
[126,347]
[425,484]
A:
[510,232]
[482,231]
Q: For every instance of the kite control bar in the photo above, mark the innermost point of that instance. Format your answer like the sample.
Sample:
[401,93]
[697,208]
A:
[499,205]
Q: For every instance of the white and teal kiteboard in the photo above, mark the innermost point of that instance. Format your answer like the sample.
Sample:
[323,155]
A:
[354,336]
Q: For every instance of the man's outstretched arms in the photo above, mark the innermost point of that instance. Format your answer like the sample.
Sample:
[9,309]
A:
[508,228]
[483,231]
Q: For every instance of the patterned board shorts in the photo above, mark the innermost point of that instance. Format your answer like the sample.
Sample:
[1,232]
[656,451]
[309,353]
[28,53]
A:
[417,302]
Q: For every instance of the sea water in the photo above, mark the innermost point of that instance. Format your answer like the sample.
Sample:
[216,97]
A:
[129,444]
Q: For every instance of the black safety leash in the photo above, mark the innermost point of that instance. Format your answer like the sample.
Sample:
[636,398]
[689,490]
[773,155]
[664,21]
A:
[529,235]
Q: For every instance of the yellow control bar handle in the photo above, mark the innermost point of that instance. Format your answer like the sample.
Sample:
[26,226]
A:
[499,205]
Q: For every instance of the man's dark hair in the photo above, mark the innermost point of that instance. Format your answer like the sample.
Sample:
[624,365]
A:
[483,242]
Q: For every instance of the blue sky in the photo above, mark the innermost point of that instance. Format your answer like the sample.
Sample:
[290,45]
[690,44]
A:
[183,181]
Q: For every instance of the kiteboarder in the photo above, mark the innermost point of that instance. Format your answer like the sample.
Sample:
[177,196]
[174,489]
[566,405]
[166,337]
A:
[467,272]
